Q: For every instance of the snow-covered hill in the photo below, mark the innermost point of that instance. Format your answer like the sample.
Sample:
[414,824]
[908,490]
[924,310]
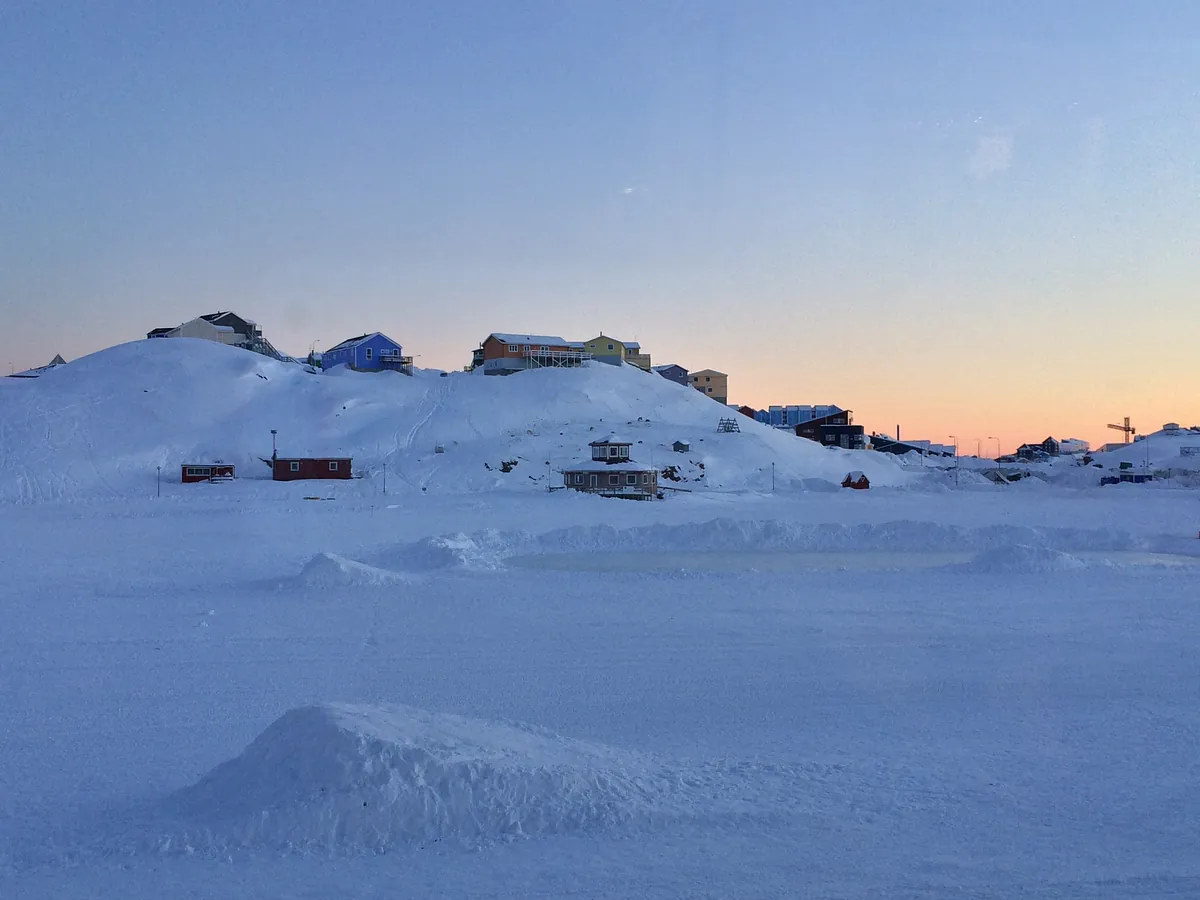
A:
[100,427]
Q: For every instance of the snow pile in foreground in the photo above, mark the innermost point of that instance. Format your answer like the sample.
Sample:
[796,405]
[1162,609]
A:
[1023,559]
[490,548]
[368,778]
[329,571]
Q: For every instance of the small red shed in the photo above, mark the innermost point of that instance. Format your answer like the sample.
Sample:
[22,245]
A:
[857,481]
[192,473]
[311,468]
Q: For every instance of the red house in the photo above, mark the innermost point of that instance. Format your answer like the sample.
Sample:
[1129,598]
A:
[309,468]
[190,473]
[856,481]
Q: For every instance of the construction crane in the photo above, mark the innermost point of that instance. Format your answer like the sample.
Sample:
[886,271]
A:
[1125,429]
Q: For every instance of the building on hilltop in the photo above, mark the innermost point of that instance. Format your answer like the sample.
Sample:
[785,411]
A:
[789,417]
[673,372]
[223,328]
[612,473]
[503,353]
[836,429]
[375,352]
[612,351]
[712,384]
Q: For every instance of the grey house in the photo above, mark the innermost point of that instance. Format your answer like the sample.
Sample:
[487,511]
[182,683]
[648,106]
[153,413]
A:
[673,372]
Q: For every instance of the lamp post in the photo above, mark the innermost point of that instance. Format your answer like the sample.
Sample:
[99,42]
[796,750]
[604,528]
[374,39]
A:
[274,452]
[955,439]
[997,440]
[159,468]
[978,448]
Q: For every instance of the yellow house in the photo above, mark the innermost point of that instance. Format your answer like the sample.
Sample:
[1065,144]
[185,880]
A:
[711,383]
[609,350]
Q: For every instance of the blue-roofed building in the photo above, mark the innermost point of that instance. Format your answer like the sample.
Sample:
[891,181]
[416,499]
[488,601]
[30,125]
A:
[374,352]
[788,417]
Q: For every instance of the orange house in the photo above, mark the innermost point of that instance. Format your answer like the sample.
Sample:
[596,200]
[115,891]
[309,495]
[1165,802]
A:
[503,353]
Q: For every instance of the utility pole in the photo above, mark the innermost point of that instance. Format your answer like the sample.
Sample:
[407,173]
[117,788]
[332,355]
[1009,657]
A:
[997,440]
[159,480]
[274,452]
[955,439]
[772,477]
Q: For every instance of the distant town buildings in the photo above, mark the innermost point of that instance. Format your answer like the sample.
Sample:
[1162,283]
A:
[223,328]
[610,350]
[673,372]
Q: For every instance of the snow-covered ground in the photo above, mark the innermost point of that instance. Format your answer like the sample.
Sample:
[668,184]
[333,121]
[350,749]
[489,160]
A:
[469,687]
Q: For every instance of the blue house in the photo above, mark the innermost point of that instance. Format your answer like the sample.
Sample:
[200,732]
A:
[789,417]
[367,353]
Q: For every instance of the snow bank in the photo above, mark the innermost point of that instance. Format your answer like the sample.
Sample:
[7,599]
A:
[1025,559]
[490,548]
[327,571]
[369,778]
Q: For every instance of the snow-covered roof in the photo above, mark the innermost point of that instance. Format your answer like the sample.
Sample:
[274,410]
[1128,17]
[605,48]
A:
[856,475]
[548,339]
[611,439]
[709,372]
[595,465]
[355,341]
[632,345]
[667,366]
[224,329]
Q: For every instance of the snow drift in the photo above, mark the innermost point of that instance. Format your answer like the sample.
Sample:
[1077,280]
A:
[368,778]
[490,548]
[327,571]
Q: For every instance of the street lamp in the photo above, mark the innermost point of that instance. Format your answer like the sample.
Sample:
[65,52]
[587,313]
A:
[274,452]
[997,440]
[955,439]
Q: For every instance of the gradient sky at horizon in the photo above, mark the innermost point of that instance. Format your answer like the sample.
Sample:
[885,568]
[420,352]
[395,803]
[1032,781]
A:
[970,219]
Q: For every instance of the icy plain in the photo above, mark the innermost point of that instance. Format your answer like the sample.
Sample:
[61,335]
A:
[470,687]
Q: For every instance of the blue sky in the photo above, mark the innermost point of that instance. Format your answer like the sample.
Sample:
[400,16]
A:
[877,205]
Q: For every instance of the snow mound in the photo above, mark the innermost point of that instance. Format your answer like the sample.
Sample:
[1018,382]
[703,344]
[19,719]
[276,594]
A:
[491,548]
[327,570]
[1023,558]
[368,778]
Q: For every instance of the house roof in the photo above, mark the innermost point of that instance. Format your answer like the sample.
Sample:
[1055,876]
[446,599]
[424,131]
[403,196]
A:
[57,361]
[632,345]
[611,439]
[162,330]
[548,339]
[855,475]
[668,366]
[355,341]
[709,372]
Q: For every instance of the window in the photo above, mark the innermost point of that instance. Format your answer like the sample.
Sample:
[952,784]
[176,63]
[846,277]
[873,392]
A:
[198,471]
[579,479]
[631,479]
[709,390]
[614,479]
[612,452]
[333,466]
[544,348]
[695,379]
[526,348]
[295,467]
[624,452]
[610,346]
[368,354]
[706,378]
[512,348]
[646,478]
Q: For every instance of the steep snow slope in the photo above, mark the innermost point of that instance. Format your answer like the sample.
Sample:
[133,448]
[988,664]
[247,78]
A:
[99,427]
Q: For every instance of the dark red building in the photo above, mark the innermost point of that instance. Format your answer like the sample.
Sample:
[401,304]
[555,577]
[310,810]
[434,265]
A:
[190,473]
[308,468]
